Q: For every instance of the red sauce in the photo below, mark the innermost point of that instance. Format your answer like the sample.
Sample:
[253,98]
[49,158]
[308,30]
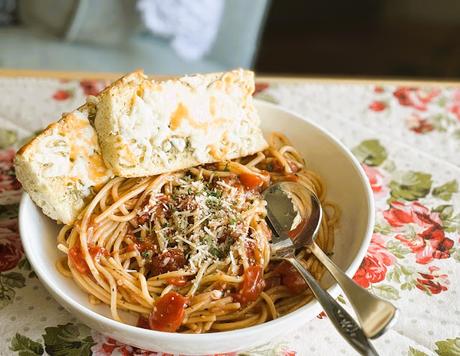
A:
[168,261]
[250,252]
[177,281]
[168,312]
[77,259]
[253,284]
[97,251]
[146,245]
[293,166]
[143,322]
[142,219]
[131,247]
[159,208]
[272,282]
[251,181]
[290,178]
[291,278]
[275,166]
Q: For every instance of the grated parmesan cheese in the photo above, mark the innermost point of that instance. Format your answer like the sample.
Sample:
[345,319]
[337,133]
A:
[206,219]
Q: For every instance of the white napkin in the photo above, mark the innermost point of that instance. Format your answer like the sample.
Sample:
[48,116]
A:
[192,26]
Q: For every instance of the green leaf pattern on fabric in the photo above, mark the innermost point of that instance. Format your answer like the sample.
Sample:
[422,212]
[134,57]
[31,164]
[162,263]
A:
[456,255]
[24,264]
[13,280]
[386,291]
[68,340]
[24,346]
[448,347]
[446,190]
[414,352]
[410,185]
[9,211]
[450,220]
[370,152]
[397,248]
[7,138]
[6,296]
[8,282]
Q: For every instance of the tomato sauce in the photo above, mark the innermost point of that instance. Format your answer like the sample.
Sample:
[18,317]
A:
[290,178]
[77,259]
[272,282]
[168,312]
[97,251]
[291,278]
[275,166]
[177,281]
[146,244]
[293,166]
[251,181]
[143,322]
[142,219]
[253,284]
[168,261]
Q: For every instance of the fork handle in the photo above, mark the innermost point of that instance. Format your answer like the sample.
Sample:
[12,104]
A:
[339,317]
[374,314]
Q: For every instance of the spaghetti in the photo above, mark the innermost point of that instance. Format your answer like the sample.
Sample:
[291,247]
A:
[189,251]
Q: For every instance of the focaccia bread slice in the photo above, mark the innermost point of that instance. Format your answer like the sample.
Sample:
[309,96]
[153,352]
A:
[62,167]
[146,127]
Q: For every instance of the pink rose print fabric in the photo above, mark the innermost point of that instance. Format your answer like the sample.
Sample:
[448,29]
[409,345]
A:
[407,141]
[375,265]
[10,245]
[10,188]
[423,106]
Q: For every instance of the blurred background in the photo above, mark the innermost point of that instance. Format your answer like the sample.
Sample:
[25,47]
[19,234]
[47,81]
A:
[379,38]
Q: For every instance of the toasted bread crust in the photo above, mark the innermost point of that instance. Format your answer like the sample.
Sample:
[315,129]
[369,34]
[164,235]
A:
[62,195]
[203,118]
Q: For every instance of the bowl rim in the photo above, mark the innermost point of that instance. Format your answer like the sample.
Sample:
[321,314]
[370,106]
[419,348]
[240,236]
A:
[78,308]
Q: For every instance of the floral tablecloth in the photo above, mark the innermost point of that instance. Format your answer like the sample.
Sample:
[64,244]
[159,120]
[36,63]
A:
[408,141]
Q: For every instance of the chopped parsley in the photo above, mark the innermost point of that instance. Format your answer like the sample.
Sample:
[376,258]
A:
[216,252]
[147,254]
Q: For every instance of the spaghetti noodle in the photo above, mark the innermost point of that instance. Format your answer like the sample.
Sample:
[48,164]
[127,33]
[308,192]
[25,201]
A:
[189,251]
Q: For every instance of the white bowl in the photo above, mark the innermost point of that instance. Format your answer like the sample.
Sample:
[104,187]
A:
[347,185]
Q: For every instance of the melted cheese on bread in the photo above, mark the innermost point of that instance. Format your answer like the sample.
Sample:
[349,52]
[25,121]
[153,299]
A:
[62,167]
[153,127]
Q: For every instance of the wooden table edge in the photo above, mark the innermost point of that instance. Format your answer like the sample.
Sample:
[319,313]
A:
[260,77]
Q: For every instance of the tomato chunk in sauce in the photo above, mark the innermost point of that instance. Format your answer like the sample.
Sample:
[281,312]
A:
[97,251]
[78,261]
[253,284]
[251,181]
[168,261]
[291,278]
[168,312]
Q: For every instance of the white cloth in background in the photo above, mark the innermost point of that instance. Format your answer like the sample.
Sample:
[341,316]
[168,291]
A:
[192,26]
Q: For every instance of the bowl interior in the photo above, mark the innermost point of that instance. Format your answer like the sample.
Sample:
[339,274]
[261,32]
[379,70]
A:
[346,185]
